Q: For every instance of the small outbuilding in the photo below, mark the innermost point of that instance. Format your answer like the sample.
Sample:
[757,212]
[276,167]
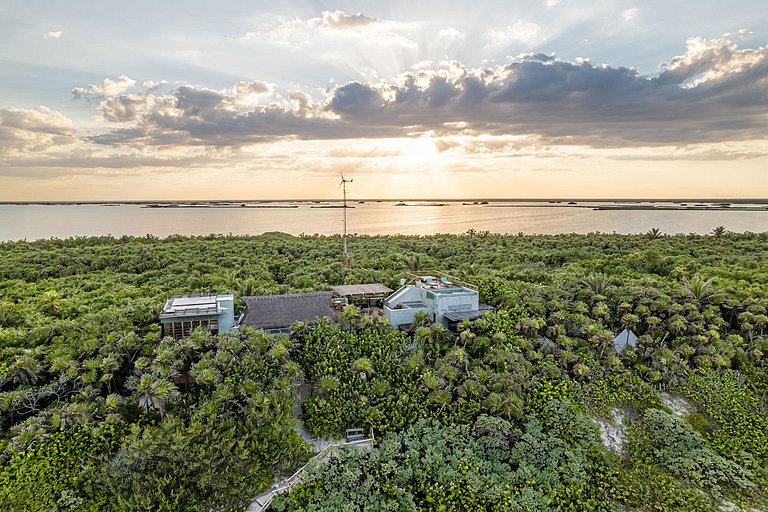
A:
[363,295]
[626,339]
[276,313]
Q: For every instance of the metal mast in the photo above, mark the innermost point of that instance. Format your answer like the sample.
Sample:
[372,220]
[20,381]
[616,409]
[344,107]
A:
[344,238]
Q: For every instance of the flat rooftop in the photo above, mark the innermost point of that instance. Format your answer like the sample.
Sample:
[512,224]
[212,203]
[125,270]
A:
[442,285]
[448,291]
[193,305]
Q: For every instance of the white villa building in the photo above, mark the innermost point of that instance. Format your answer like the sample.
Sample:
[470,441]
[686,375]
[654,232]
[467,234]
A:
[183,313]
[443,300]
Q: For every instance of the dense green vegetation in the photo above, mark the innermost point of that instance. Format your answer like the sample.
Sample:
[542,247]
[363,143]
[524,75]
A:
[100,413]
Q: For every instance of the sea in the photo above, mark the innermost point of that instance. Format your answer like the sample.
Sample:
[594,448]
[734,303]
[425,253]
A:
[33,221]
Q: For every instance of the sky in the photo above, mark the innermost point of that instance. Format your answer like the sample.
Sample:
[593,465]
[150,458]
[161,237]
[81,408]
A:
[232,99]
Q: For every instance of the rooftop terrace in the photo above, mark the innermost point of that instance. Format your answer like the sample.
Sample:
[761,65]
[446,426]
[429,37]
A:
[193,305]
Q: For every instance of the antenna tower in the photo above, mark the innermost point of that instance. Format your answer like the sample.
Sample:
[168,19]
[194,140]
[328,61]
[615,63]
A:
[343,184]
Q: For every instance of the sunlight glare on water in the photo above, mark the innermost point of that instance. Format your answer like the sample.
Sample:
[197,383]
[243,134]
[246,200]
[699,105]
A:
[36,221]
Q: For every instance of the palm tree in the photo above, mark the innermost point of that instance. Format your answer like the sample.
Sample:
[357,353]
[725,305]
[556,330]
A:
[327,384]
[113,401]
[458,357]
[26,370]
[51,303]
[699,289]
[245,287]
[155,393]
[230,277]
[508,405]
[414,262]
[362,368]
[602,340]
[279,351]
[630,321]
[349,317]
[439,398]
[421,319]
[598,284]
[719,231]
[294,372]
[470,390]
[654,233]
[580,371]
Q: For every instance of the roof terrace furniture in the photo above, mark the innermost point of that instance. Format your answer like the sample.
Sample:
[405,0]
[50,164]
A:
[363,295]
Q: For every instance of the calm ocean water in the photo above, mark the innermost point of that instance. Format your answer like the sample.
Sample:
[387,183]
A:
[33,222]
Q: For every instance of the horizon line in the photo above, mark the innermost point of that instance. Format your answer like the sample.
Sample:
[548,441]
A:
[386,199]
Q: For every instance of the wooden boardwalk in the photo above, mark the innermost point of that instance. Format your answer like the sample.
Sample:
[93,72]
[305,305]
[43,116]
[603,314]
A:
[262,501]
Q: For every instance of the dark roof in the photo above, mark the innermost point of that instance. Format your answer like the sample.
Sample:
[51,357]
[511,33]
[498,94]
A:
[458,316]
[361,289]
[280,311]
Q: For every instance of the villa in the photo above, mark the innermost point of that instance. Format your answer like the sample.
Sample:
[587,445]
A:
[183,313]
[444,300]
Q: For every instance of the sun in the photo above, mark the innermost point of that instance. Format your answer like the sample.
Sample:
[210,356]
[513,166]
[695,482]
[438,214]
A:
[418,150]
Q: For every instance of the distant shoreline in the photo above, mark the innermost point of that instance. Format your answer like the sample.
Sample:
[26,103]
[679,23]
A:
[560,201]
[743,205]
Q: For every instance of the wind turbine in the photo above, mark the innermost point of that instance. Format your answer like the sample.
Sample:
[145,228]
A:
[343,184]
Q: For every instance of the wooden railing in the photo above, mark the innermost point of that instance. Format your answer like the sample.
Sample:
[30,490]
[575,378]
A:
[262,501]
[437,273]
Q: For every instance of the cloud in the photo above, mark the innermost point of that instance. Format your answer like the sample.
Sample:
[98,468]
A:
[629,13]
[710,60]
[24,131]
[250,92]
[107,87]
[151,85]
[450,34]
[52,35]
[374,152]
[125,108]
[334,25]
[713,92]
[519,32]
[338,20]
[552,3]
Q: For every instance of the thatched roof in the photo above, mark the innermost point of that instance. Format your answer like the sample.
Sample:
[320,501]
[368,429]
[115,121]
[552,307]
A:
[281,311]
[347,290]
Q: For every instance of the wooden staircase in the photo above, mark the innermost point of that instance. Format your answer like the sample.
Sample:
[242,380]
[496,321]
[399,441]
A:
[262,501]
